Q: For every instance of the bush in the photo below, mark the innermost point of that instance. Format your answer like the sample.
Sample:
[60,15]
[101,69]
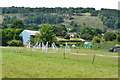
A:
[96,39]
[78,44]
[86,36]
[10,34]
[110,36]
[14,43]
[96,46]
[67,36]
[118,38]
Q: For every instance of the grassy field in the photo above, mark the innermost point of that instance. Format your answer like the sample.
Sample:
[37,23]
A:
[29,64]
[90,21]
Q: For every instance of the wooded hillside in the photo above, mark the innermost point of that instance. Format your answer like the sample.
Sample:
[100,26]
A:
[70,17]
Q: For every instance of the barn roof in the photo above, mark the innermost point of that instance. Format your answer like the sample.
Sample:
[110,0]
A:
[31,32]
[71,33]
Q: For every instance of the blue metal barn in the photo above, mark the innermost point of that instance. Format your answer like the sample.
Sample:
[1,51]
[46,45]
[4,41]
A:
[26,34]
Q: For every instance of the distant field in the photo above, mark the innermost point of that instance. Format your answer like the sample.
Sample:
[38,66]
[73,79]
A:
[86,20]
[29,64]
[90,21]
[86,14]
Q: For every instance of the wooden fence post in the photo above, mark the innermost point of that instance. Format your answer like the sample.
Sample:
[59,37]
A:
[93,59]
[64,55]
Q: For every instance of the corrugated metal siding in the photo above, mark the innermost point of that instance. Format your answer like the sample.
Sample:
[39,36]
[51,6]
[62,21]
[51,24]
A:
[25,37]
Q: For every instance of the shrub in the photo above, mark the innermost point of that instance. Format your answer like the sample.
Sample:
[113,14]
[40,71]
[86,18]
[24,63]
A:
[96,39]
[110,36]
[67,36]
[14,43]
[118,38]
[86,36]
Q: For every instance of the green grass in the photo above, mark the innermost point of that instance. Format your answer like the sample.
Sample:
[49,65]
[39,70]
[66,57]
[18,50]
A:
[89,21]
[86,20]
[86,14]
[28,64]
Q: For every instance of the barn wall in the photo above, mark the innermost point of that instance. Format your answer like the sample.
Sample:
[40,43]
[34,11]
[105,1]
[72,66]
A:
[25,37]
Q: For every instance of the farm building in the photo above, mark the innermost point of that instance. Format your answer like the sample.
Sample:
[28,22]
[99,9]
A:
[72,34]
[26,34]
[115,49]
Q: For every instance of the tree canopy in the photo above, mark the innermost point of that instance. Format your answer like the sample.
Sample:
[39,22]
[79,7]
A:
[10,34]
[57,15]
[110,36]
[46,34]
[17,24]
[88,33]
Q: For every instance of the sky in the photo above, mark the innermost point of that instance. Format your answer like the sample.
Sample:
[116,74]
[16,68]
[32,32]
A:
[97,4]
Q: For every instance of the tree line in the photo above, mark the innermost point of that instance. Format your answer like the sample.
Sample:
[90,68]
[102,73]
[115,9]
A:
[35,16]
[110,18]
[59,10]
[48,33]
